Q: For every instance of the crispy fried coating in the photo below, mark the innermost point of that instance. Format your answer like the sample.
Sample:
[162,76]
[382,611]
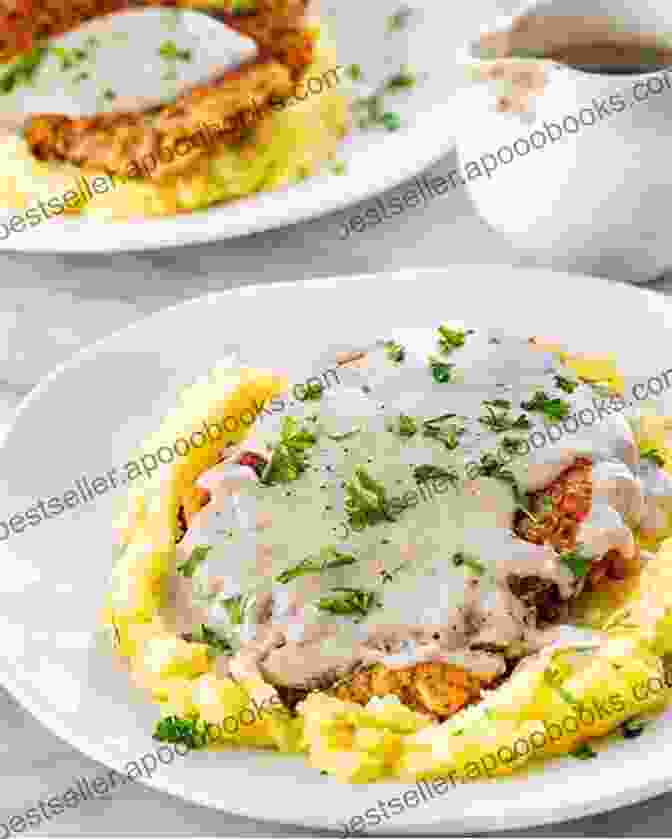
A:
[433,688]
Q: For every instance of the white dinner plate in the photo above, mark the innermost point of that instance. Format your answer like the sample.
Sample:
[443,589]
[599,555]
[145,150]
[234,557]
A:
[91,413]
[374,161]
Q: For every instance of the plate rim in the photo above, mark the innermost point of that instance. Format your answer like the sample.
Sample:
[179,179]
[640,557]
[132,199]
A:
[198,227]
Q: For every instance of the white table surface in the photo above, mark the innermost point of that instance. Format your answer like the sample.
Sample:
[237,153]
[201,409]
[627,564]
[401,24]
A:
[50,306]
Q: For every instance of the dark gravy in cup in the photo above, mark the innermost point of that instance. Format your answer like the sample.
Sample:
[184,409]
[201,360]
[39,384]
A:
[589,44]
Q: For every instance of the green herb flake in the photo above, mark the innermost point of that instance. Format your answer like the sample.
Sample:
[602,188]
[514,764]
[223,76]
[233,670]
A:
[568,385]
[404,426]
[583,752]
[441,372]
[109,94]
[349,601]
[366,500]
[403,80]
[429,472]
[22,69]
[327,558]
[653,455]
[198,554]
[312,391]
[501,420]
[206,635]
[289,456]
[243,7]
[399,20]
[170,52]
[469,561]
[578,560]
[448,433]
[551,408]
[491,466]
[339,167]
[192,732]
[391,120]
[633,727]
[354,72]
[394,351]
[512,445]
[451,339]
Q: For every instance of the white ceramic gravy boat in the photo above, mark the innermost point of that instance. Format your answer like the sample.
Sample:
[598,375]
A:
[595,197]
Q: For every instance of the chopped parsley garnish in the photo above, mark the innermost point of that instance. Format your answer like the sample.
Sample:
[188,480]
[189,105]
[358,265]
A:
[447,433]
[22,69]
[403,80]
[372,108]
[339,167]
[169,52]
[565,384]
[312,390]
[288,457]
[109,94]
[429,472]
[193,733]
[391,120]
[366,500]
[452,339]
[550,408]
[198,554]
[243,7]
[653,455]
[349,601]
[236,607]
[394,351]
[436,428]
[399,20]
[501,420]
[468,560]
[327,558]
[546,503]
[68,58]
[205,635]
[583,752]
[80,77]
[633,728]
[354,72]
[404,426]
[388,576]
[511,444]
[578,560]
[491,466]
[441,372]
